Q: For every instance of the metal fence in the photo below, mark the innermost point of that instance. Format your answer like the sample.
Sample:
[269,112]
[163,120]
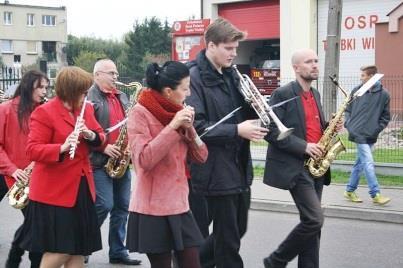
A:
[388,149]
[9,79]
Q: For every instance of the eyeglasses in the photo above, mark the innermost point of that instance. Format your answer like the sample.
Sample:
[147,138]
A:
[111,73]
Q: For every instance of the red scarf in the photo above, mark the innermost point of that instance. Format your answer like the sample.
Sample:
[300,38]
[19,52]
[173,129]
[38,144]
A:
[160,107]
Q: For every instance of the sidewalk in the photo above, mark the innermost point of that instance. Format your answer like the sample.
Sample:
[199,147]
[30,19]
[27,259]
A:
[334,204]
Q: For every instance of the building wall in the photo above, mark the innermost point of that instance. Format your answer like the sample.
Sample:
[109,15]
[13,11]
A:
[389,49]
[358,40]
[210,7]
[19,32]
[297,30]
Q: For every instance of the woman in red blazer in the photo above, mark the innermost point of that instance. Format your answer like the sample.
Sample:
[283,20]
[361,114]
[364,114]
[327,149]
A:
[61,220]
[162,138]
[14,129]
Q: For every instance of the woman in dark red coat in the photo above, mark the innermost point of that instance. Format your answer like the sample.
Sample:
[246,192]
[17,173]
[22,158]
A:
[14,129]
[61,220]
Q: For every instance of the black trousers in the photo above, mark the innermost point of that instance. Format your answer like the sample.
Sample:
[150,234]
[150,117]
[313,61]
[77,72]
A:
[304,239]
[198,206]
[229,215]
[3,187]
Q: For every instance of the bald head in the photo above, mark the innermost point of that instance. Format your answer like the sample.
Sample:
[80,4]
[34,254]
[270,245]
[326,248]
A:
[301,54]
[305,65]
[102,64]
[105,74]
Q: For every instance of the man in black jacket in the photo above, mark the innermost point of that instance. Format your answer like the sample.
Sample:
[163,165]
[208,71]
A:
[226,177]
[285,163]
[113,195]
[365,118]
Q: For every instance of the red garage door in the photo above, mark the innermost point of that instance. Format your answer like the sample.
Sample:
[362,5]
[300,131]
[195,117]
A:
[261,19]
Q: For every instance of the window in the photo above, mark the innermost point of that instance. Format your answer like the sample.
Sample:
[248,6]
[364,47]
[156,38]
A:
[31,47]
[6,46]
[17,58]
[8,18]
[49,50]
[30,20]
[48,20]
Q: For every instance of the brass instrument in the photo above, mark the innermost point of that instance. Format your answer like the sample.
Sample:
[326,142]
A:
[260,105]
[18,193]
[330,141]
[3,97]
[116,167]
[73,146]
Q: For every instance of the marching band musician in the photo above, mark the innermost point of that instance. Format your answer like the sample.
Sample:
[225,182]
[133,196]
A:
[112,194]
[14,129]
[61,220]
[225,179]
[161,138]
[305,115]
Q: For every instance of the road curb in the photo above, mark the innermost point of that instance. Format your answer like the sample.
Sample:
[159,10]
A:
[380,215]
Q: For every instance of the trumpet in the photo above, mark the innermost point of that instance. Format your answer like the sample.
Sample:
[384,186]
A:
[73,146]
[252,96]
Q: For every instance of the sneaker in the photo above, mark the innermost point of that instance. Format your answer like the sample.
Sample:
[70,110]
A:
[352,196]
[380,200]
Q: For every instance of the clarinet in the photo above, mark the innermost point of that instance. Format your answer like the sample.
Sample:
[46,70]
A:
[73,146]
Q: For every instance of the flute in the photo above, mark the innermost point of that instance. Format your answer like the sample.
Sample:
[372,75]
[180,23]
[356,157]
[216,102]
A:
[73,146]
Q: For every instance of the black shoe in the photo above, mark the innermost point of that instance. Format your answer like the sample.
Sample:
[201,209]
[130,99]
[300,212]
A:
[269,263]
[125,260]
[14,257]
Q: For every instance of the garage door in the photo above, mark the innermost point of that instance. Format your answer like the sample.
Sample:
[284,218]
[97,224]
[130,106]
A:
[261,19]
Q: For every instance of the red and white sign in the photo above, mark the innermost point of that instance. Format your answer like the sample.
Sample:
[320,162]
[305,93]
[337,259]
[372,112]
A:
[190,27]
[357,44]
[187,39]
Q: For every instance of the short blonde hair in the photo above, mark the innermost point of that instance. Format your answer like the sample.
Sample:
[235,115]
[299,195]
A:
[222,31]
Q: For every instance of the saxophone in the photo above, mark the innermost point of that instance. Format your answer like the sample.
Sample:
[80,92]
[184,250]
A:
[116,167]
[3,97]
[330,141]
[18,193]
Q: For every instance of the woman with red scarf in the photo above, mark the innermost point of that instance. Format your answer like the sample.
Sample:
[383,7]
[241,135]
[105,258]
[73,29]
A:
[162,138]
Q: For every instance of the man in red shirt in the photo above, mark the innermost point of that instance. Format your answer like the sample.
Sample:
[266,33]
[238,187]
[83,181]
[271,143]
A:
[285,164]
[113,195]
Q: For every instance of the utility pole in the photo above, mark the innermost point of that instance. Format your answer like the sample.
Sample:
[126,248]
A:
[332,56]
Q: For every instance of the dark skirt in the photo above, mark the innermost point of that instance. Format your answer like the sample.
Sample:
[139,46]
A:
[56,229]
[160,234]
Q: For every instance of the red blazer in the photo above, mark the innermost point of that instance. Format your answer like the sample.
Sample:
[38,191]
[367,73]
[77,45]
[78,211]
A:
[55,179]
[13,141]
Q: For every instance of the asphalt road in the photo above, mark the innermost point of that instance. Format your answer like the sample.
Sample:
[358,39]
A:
[345,243]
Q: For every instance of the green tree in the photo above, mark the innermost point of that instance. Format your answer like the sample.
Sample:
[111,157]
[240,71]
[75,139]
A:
[148,39]
[109,48]
[87,59]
